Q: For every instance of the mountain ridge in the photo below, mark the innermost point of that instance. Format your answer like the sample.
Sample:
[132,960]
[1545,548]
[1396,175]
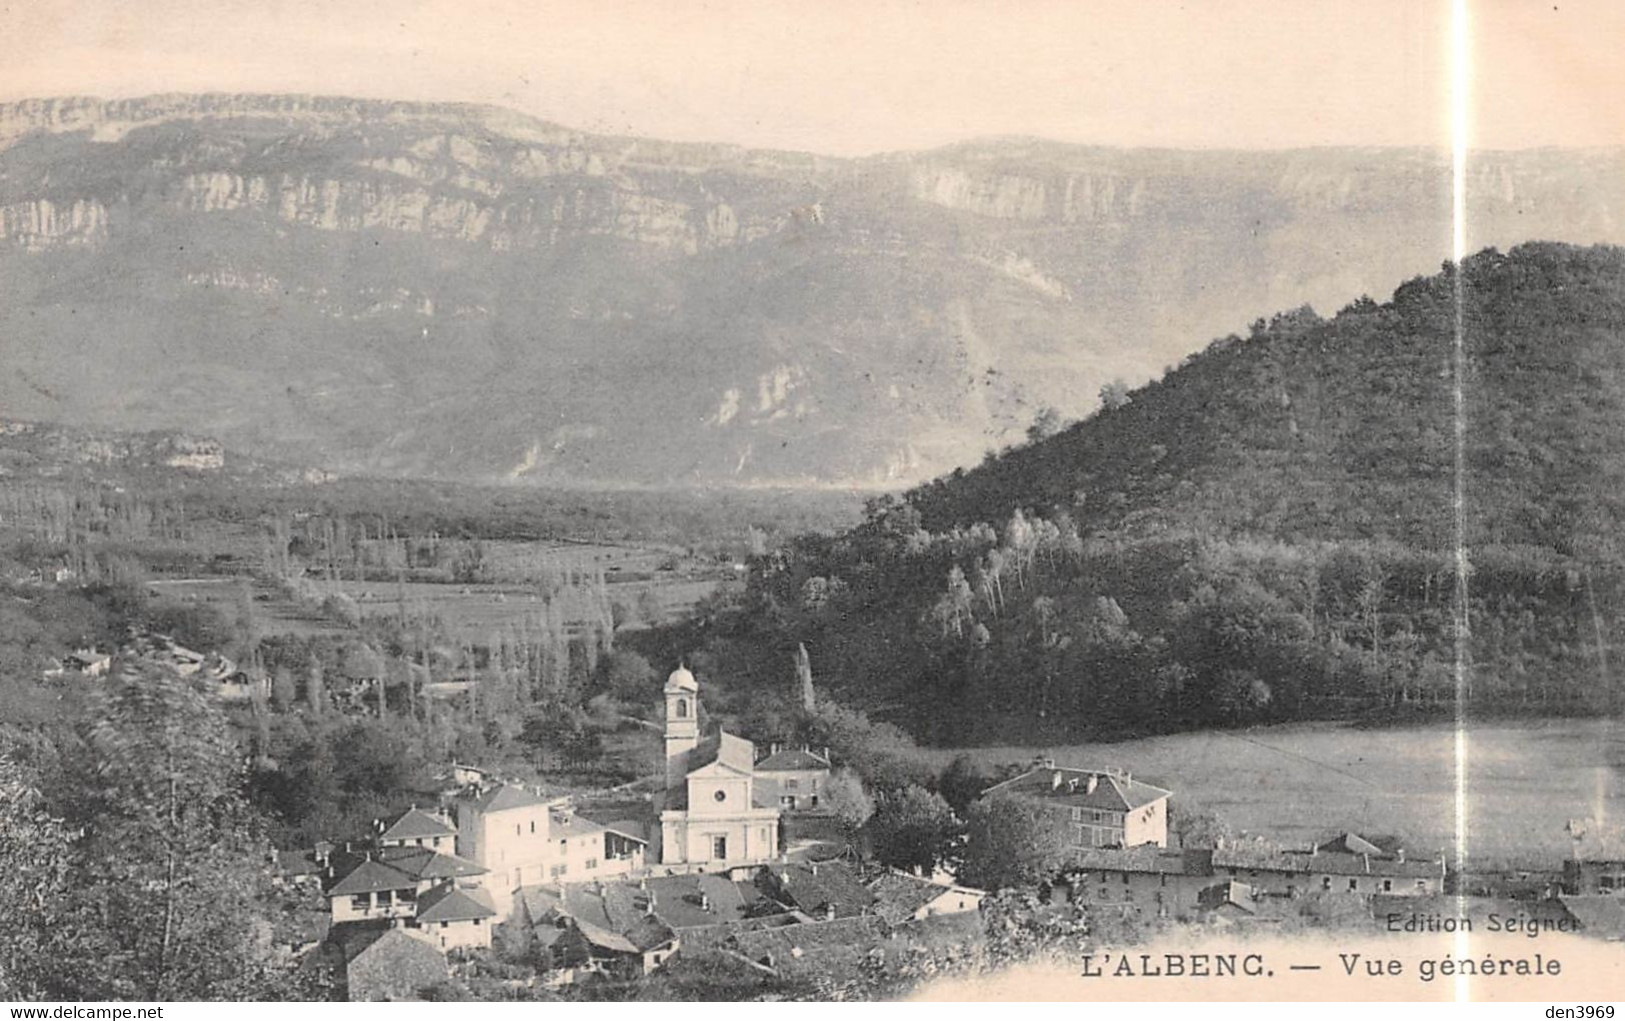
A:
[463,291]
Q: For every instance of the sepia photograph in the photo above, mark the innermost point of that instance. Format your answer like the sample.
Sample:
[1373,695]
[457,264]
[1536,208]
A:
[592,501]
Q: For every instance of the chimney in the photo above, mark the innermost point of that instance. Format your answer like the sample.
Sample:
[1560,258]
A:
[1094,782]
[829,912]
[705,901]
[1055,780]
[813,867]
[1399,854]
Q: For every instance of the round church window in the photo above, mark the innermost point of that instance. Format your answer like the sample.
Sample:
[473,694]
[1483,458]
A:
[721,795]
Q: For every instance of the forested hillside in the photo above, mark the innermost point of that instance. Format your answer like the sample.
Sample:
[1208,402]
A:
[1263,534]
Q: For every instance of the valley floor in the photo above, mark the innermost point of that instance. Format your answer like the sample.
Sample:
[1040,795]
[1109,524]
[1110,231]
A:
[1296,782]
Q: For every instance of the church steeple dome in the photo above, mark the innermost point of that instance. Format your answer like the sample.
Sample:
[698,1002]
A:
[681,680]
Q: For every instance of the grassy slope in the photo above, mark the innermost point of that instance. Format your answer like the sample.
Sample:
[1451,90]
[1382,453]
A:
[1298,782]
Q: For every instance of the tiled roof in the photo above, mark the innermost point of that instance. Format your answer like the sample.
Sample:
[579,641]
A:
[391,965]
[1353,843]
[704,899]
[1230,893]
[813,888]
[415,824]
[450,904]
[614,916]
[372,877]
[1329,863]
[299,862]
[1147,858]
[728,749]
[628,828]
[506,796]
[574,826]
[1599,915]
[1067,786]
[540,902]
[423,863]
[791,759]
[898,895]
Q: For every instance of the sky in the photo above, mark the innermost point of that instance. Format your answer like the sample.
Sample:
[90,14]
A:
[849,77]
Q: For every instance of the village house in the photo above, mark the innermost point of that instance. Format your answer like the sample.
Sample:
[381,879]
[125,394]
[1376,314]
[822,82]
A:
[797,775]
[1328,868]
[522,839]
[606,927]
[386,964]
[418,828]
[1170,884]
[1164,883]
[820,891]
[706,901]
[1094,808]
[88,662]
[714,812]
[901,897]
[242,686]
[400,879]
[1597,916]
[1593,872]
[1228,901]
[451,916]
[386,883]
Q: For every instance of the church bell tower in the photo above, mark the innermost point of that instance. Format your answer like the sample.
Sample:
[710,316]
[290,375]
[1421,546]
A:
[682,724]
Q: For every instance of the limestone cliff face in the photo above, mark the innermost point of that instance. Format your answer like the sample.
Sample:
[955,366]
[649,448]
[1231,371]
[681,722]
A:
[38,224]
[1067,198]
[438,170]
[478,214]
[452,289]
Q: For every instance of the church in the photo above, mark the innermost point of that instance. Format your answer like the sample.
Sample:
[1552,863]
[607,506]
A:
[716,812]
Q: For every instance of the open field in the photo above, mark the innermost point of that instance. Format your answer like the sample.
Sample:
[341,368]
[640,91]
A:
[645,584]
[475,612]
[1524,781]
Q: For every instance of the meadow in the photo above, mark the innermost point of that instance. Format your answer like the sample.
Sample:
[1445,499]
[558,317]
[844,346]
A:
[646,585]
[1292,784]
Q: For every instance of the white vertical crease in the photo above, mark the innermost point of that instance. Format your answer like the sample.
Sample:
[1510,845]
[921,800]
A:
[1460,90]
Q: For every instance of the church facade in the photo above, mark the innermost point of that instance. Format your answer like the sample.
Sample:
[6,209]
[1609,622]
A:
[716,812]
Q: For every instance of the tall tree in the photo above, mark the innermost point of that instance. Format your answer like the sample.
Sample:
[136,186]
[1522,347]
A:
[34,883]
[1010,844]
[912,829]
[170,874]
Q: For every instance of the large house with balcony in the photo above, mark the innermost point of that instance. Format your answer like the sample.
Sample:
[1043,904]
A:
[403,881]
[521,838]
[1094,808]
